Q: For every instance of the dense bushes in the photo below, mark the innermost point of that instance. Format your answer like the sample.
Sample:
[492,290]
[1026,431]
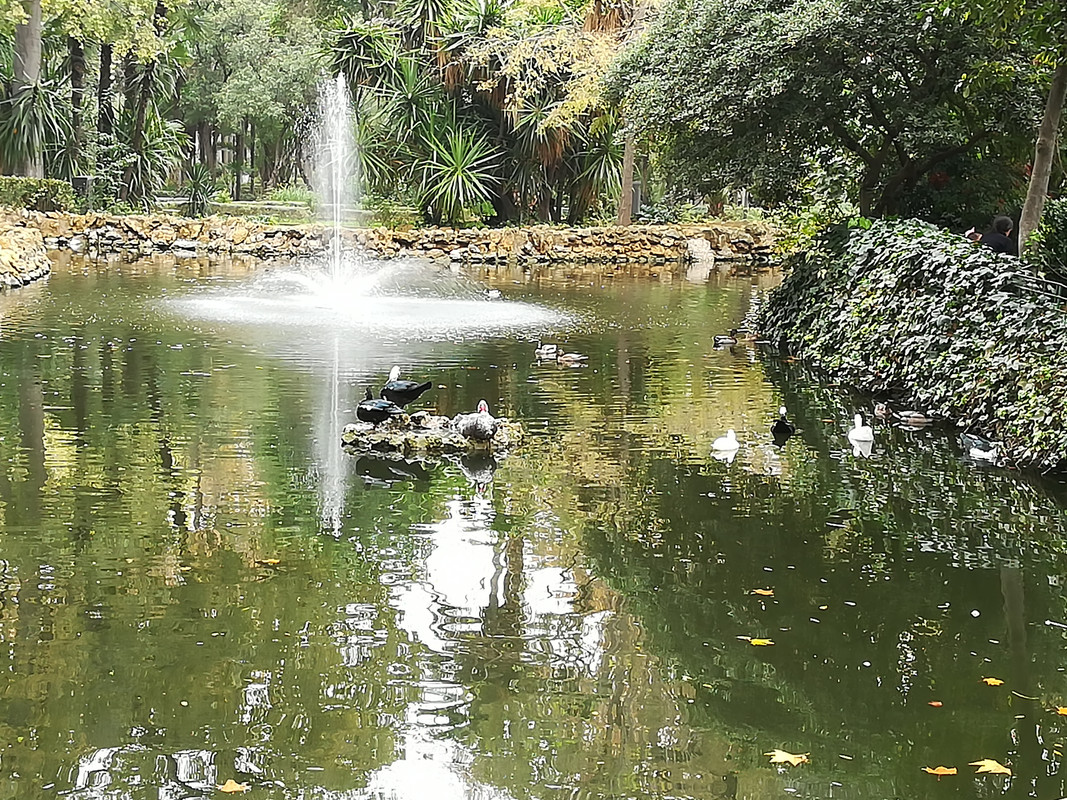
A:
[36,194]
[907,311]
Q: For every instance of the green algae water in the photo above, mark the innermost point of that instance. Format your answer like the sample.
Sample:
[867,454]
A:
[197,585]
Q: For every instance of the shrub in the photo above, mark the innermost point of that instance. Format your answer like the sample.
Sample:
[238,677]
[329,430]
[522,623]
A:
[199,186]
[36,194]
[906,310]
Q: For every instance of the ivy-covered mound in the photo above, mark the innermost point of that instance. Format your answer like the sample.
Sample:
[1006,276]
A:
[907,311]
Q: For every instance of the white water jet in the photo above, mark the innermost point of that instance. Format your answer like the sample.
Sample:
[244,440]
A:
[336,166]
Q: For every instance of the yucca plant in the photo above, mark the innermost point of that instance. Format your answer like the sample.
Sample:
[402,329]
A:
[459,173]
[33,119]
[200,185]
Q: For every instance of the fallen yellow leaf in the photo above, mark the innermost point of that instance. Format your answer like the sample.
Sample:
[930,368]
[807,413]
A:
[939,771]
[761,642]
[990,766]
[764,592]
[782,757]
[231,787]
[1061,710]
[993,681]
[935,703]
[269,562]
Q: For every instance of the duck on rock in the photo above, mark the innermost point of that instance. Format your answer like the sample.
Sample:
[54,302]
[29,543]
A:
[403,392]
[375,411]
[480,426]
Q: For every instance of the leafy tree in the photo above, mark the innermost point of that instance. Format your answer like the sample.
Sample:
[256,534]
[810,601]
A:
[1041,26]
[746,92]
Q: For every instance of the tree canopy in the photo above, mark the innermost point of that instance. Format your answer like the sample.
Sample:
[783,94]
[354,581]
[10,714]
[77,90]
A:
[753,93]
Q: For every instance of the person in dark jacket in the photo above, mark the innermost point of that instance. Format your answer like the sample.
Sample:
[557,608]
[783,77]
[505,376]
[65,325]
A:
[998,237]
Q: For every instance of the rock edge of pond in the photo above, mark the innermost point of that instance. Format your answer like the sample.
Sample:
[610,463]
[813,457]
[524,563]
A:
[654,244]
[23,257]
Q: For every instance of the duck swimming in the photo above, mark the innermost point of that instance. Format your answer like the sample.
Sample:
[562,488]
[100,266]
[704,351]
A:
[727,443]
[915,419]
[480,426]
[979,448]
[861,432]
[782,428]
[403,392]
[375,411]
[725,340]
[571,359]
[546,352]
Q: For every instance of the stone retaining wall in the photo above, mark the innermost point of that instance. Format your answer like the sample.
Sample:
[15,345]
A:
[22,256]
[101,234]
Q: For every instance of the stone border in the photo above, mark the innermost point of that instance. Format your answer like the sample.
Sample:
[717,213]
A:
[98,234]
[23,257]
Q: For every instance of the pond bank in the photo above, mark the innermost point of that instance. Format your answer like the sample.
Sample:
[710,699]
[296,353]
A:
[103,233]
[23,257]
[909,313]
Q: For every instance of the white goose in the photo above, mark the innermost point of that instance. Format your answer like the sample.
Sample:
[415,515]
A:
[727,443]
[860,432]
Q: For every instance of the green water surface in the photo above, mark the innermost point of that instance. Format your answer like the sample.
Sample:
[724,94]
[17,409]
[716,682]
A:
[197,585]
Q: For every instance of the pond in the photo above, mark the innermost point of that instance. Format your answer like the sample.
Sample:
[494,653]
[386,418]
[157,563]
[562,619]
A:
[197,585]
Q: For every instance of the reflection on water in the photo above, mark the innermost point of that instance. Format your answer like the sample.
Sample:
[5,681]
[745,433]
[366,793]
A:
[197,584]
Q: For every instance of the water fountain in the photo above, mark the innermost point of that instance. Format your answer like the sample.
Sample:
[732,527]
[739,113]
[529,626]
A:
[348,318]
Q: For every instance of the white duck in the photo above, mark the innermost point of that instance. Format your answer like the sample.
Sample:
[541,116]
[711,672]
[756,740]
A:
[480,426]
[727,443]
[860,432]
[546,352]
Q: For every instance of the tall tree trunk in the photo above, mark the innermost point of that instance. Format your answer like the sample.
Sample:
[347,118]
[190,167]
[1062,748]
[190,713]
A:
[144,94]
[105,122]
[252,161]
[77,92]
[238,160]
[1044,153]
[129,82]
[626,194]
[27,72]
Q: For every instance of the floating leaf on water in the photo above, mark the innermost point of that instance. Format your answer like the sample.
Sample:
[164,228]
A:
[231,787]
[1061,710]
[935,703]
[939,771]
[268,562]
[760,642]
[992,681]
[782,757]
[764,592]
[990,766]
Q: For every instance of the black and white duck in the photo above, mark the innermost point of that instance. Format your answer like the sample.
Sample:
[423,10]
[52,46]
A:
[725,340]
[480,426]
[980,448]
[782,428]
[375,411]
[403,392]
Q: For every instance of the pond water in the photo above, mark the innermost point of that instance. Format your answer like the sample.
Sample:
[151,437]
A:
[197,585]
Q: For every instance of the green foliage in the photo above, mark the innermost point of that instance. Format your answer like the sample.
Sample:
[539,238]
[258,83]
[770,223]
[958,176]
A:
[906,310]
[1048,245]
[33,119]
[741,92]
[458,174]
[199,186]
[36,194]
[293,193]
[146,170]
